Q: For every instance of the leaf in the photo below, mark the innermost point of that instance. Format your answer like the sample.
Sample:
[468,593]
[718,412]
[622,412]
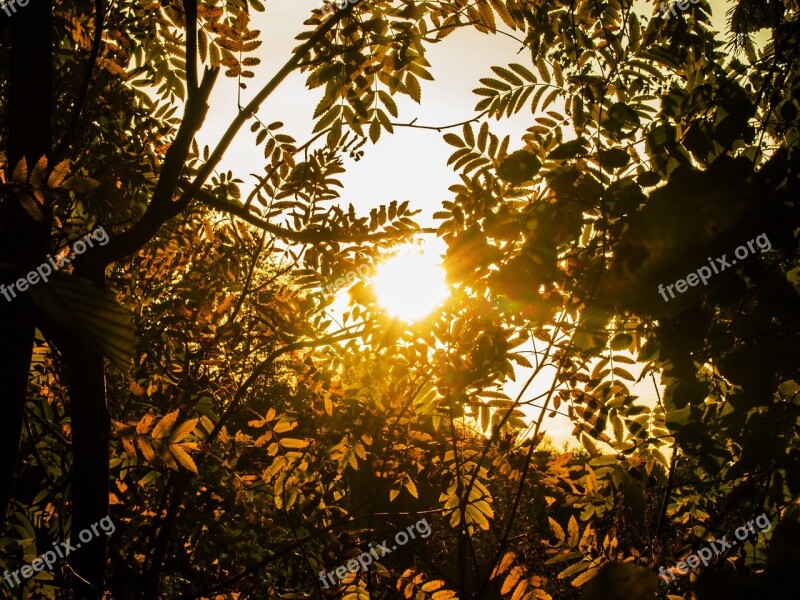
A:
[80,184]
[146,423]
[614,158]
[504,564]
[31,207]
[165,424]
[374,131]
[511,580]
[38,173]
[412,88]
[572,528]
[568,150]
[147,450]
[519,167]
[557,530]
[94,316]
[283,426]
[292,443]
[20,174]
[183,457]
[183,430]
[621,341]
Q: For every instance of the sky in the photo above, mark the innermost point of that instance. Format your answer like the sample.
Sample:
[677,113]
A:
[409,165]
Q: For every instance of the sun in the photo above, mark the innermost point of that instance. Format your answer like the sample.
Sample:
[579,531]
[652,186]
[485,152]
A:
[411,284]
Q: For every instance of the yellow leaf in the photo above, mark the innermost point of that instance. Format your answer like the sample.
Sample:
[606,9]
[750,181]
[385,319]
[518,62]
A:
[432,585]
[505,563]
[292,443]
[455,518]
[393,494]
[511,580]
[165,424]
[584,577]
[520,591]
[183,430]
[183,457]
[412,489]
[572,527]
[360,452]
[127,443]
[283,426]
[557,530]
[167,458]
[147,450]
[476,516]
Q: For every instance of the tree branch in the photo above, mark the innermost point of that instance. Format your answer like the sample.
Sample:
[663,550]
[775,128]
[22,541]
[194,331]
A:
[303,237]
[190,6]
[440,127]
[258,100]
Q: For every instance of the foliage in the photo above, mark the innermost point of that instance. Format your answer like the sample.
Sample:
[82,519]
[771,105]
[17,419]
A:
[256,442]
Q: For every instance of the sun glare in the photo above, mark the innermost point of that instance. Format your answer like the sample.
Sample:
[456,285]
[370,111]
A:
[411,284]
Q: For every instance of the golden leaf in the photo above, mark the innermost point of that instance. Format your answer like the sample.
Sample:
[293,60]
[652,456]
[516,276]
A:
[145,424]
[504,564]
[511,580]
[165,424]
[183,430]
[183,457]
[557,530]
[147,450]
[572,527]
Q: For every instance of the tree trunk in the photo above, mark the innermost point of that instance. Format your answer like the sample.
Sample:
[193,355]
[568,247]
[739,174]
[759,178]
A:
[23,241]
[91,434]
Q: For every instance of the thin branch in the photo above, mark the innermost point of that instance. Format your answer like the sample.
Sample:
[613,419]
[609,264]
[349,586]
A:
[304,237]
[413,124]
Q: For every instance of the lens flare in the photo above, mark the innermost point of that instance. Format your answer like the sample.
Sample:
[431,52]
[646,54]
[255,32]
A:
[411,285]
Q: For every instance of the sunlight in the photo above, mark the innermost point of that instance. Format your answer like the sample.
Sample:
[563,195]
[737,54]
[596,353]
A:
[411,284]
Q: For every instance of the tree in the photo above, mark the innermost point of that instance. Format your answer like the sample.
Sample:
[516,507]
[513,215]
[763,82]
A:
[227,404]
